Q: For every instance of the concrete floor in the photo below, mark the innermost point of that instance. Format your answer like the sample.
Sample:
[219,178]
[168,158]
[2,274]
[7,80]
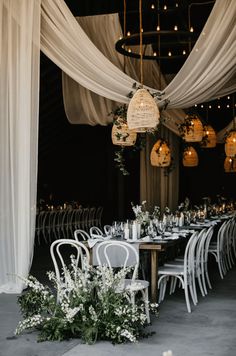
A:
[209,330]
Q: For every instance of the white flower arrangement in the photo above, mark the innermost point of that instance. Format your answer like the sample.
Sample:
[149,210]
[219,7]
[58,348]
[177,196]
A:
[142,215]
[89,306]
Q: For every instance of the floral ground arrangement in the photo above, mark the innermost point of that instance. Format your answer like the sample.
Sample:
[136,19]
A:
[90,304]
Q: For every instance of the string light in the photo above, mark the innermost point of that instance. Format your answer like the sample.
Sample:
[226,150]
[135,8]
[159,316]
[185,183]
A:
[195,105]
[128,33]
[176,28]
[201,106]
[191,29]
[155,54]
[129,50]
[184,52]
[158,28]
[218,106]
[152,6]
[169,54]
[228,97]
[228,106]
[176,5]
[210,106]
[165,7]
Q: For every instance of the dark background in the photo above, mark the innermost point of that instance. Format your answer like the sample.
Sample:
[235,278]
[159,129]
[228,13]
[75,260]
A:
[76,162]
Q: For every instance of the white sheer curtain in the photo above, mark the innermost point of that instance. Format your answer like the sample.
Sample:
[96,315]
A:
[209,71]
[19,91]
[220,137]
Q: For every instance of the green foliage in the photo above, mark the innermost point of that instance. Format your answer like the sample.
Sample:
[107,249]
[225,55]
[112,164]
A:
[91,305]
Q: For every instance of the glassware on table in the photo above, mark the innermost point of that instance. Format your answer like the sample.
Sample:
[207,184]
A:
[161,227]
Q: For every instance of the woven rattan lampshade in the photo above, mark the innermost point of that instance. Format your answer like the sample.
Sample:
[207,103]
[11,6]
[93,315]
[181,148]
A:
[230,144]
[193,131]
[209,137]
[160,154]
[143,113]
[230,164]
[121,135]
[190,157]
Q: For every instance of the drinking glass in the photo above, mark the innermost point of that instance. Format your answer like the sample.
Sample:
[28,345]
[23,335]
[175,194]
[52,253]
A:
[161,227]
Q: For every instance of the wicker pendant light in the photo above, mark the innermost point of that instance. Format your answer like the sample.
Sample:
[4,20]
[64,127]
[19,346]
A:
[192,129]
[230,144]
[209,137]
[230,164]
[160,154]
[121,135]
[190,157]
[143,113]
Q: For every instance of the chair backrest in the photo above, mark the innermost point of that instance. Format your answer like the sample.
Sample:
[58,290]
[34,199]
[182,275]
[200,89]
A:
[81,235]
[107,229]
[95,232]
[62,249]
[189,253]
[118,254]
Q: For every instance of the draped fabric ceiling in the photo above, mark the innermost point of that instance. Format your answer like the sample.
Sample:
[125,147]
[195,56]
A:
[208,72]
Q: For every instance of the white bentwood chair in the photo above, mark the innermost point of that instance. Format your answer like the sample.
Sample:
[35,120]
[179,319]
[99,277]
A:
[128,257]
[96,232]
[185,273]
[61,250]
[81,235]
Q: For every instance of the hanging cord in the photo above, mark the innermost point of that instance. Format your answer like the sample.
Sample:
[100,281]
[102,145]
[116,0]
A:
[234,119]
[124,68]
[141,41]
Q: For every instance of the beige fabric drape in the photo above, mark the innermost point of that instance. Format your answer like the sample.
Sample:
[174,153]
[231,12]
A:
[157,187]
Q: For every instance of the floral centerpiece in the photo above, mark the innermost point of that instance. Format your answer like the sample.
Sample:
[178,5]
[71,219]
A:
[89,305]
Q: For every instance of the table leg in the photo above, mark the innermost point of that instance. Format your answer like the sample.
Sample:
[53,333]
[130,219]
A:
[154,274]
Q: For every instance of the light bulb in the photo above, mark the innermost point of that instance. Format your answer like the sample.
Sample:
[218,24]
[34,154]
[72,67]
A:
[152,6]
[191,29]
[228,97]
[160,149]
[169,54]
[228,106]
[230,160]
[176,28]
[141,29]
[141,104]
[128,33]
[176,5]
[201,106]
[158,28]
[189,152]
[234,139]
[120,38]
[155,54]
[129,50]
[209,106]
[207,132]
[195,105]
[184,52]
[218,106]
[165,7]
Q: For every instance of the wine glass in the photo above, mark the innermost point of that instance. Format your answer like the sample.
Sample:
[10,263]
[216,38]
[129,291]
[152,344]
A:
[161,227]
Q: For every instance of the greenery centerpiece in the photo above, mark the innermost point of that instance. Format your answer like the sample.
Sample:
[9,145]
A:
[90,304]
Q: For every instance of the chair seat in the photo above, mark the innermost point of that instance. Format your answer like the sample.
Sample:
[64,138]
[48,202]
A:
[171,270]
[174,264]
[136,285]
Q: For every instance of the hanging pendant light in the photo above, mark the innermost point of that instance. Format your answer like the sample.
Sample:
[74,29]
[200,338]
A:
[190,157]
[121,135]
[192,129]
[143,113]
[160,154]
[230,164]
[209,137]
[230,144]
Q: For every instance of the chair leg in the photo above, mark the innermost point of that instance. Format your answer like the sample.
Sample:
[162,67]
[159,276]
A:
[187,297]
[207,276]
[146,304]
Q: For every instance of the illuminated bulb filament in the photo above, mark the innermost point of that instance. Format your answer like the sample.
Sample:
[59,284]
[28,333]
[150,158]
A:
[169,54]
[218,106]
[201,106]
[176,28]
[234,139]
[184,52]
[165,7]
[155,54]
[209,106]
[129,50]
[158,28]
[189,153]
[228,97]
[191,29]
[228,106]
[128,33]
[207,132]
[152,6]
